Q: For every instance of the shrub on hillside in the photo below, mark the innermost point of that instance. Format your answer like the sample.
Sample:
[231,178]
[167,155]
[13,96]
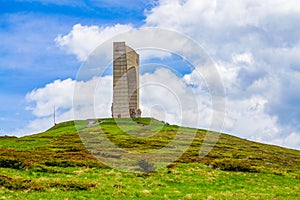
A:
[233,165]
[12,163]
[70,163]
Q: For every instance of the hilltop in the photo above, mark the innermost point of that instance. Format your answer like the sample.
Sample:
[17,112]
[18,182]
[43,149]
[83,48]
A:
[56,164]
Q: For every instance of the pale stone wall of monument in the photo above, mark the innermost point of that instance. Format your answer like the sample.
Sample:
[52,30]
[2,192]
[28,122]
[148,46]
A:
[133,78]
[120,107]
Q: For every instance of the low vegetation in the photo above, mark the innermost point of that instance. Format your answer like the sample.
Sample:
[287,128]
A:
[56,165]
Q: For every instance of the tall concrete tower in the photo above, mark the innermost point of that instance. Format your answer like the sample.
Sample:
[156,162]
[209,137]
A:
[125,82]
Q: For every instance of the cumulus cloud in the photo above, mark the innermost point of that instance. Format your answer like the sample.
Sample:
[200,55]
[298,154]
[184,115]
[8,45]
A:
[217,13]
[254,45]
[82,40]
[245,58]
[180,105]
[292,141]
[60,94]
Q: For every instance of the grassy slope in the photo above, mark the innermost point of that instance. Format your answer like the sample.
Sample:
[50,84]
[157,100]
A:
[56,165]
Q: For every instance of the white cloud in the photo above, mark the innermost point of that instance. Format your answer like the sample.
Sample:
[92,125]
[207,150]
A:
[180,104]
[82,40]
[178,14]
[246,115]
[234,33]
[250,119]
[292,140]
[245,58]
[60,94]
[265,29]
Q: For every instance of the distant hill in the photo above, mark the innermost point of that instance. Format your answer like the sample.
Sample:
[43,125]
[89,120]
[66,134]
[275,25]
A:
[56,164]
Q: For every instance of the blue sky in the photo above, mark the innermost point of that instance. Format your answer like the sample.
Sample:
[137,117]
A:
[254,44]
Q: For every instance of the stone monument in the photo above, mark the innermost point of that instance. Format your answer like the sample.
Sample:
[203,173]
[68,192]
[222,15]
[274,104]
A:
[125,82]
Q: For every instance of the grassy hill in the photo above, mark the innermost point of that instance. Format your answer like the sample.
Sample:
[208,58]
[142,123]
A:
[56,165]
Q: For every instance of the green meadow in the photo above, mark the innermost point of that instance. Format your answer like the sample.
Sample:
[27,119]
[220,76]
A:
[56,164]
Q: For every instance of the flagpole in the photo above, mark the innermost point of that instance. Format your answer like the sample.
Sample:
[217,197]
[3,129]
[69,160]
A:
[54,116]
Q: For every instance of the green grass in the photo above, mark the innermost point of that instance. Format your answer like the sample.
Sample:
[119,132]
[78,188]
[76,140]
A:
[56,165]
